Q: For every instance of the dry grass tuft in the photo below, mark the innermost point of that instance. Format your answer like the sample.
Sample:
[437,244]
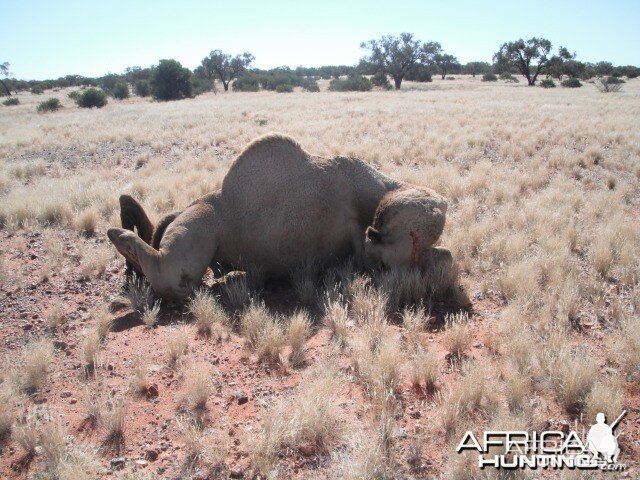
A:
[236,293]
[34,364]
[415,321]
[336,318]
[150,314]
[139,294]
[197,388]
[378,367]
[209,314]
[56,317]
[298,331]
[624,346]
[263,332]
[177,345]
[572,377]
[111,418]
[424,369]
[87,221]
[308,417]
[607,398]
[458,336]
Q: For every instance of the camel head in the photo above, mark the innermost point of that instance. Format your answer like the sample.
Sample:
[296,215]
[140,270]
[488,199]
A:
[407,222]
[125,242]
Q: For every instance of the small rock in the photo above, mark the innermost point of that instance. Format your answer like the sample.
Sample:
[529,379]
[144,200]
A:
[399,433]
[60,345]
[152,391]
[236,473]
[141,463]
[151,454]
[73,401]
[27,326]
[415,414]
[117,463]
[241,397]
[66,394]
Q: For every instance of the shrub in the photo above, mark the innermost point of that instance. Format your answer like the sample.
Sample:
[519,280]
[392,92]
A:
[92,97]
[37,89]
[381,80]
[608,84]
[142,88]
[170,81]
[507,77]
[74,95]
[50,105]
[309,85]
[284,88]
[11,101]
[120,91]
[547,83]
[489,77]
[353,83]
[571,83]
[246,83]
[419,73]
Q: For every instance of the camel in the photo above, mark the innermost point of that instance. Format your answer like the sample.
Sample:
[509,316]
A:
[280,207]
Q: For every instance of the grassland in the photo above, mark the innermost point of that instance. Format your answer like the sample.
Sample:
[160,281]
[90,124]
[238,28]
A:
[544,190]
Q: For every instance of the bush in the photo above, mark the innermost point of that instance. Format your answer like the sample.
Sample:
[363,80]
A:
[50,105]
[142,88]
[381,80]
[615,80]
[201,85]
[547,83]
[353,83]
[608,84]
[571,83]
[507,77]
[170,81]
[489,77]
[11,101]
[74,95]
[309,85]
[284,88]
[418,73]
[92,97]
[120,91]
[246,83]
[37,89]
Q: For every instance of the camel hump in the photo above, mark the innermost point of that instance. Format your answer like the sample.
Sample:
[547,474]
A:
[270,151]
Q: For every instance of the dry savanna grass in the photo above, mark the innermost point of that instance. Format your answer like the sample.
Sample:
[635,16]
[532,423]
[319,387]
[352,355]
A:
[210,317]
[542,223]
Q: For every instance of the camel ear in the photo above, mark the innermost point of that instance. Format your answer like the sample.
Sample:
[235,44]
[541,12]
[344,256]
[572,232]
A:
[133,215]
[373,235]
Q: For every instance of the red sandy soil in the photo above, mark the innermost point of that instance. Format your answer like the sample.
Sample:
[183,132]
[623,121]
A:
[151,421]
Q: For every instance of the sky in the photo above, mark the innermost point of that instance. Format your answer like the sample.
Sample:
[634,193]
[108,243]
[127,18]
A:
[44,39]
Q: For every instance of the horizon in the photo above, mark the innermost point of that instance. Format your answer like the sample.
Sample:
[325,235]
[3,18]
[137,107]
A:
[48,41]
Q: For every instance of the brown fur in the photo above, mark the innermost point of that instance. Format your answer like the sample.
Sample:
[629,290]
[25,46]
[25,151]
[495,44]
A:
[280,207]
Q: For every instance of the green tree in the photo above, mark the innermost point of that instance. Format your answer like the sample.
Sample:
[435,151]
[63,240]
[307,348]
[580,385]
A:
[395,56]
[170,81]
[224,67]
[473,68]
[4,72]
[530,57]
[446,63]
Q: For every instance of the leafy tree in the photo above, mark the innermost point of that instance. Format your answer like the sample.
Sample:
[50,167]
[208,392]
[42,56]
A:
[604,68]
[530,57]
[556,66]
[142,88]
[446,63]
[120,91]
[92,97]
[4,72]
[224,67]
[395,56]
[247,82]
[473,68]
[170,81]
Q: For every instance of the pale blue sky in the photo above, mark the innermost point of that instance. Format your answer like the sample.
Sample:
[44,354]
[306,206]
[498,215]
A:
[47,39]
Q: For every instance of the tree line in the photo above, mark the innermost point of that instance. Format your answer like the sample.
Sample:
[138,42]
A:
[401,57]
